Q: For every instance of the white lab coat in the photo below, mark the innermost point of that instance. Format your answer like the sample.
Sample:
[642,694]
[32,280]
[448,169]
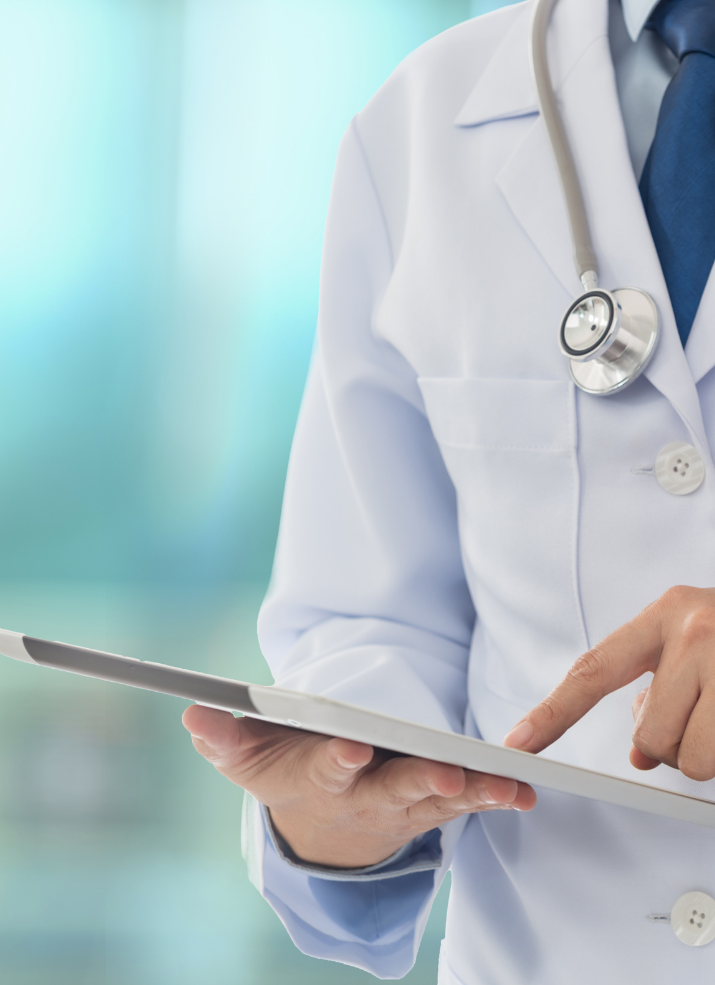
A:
[444,464]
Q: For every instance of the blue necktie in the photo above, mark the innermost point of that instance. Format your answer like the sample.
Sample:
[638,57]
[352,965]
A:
[678,181]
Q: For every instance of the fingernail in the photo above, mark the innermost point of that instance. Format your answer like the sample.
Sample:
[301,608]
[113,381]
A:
[486,797]
[346,765]
[519,735]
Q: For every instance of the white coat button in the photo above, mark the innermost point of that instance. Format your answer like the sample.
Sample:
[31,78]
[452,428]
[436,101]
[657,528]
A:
[679,468]
[693,919]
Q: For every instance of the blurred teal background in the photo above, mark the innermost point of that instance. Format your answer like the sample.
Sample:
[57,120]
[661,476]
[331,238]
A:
[165,167]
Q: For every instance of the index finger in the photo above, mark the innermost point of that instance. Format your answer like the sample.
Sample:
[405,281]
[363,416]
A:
[618,660]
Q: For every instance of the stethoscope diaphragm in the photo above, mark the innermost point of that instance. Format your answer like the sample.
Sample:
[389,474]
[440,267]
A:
[609,338]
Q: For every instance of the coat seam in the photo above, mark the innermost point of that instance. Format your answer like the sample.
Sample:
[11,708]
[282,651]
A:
[576,516]
[378,201]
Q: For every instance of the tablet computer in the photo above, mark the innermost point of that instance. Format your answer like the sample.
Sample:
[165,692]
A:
[313,713]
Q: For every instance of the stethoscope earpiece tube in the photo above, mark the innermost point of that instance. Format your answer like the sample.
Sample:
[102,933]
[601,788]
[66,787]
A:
[608,337]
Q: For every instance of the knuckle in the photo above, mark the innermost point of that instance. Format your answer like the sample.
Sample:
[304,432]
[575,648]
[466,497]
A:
[694,768]
[550,709]
[443,811]
[329,784]
[394,791]
[695,756]
[699,625]
[676,595]
[692,605]
[394,799]
[307,767]
[404,782]
[327,780]
[588,671]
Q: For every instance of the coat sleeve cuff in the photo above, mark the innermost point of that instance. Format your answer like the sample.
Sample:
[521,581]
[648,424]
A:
[420,855]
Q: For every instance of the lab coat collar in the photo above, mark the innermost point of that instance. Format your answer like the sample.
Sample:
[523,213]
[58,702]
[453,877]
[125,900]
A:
[504,89]
[582,70]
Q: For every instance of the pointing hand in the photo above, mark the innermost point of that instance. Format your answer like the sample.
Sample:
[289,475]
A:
[674,639]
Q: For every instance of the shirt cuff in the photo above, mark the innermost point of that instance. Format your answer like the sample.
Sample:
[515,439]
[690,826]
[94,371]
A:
[420,855]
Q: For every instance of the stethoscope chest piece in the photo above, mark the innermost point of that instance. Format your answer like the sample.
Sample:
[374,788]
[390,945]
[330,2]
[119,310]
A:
[609,338]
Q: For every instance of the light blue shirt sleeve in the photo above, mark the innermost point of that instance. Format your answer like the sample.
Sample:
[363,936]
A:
[376,903]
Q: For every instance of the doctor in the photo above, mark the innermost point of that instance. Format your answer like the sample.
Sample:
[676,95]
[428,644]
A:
[462,520]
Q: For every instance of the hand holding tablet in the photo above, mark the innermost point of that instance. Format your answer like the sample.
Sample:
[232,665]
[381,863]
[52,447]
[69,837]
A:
[325,717]
[338,802]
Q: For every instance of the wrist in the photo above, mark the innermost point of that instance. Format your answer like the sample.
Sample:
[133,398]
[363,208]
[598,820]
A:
[333,847]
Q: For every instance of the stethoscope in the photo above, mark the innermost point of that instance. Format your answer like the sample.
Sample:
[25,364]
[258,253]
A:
[608,337]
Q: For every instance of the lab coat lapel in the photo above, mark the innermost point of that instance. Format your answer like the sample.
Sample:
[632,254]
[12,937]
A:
[700,348]
[529,180]
[582,71]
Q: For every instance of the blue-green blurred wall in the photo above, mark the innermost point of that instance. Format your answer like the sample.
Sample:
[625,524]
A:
[165,168]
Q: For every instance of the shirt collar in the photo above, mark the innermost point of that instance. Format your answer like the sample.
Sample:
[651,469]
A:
[636,13]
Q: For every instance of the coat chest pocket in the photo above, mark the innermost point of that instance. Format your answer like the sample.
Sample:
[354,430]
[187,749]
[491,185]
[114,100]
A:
[510,449]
